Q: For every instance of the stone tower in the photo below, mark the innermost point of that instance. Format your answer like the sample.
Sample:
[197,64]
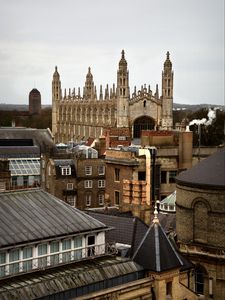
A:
[56,97]
[123,93]
[34,102]
[167,94]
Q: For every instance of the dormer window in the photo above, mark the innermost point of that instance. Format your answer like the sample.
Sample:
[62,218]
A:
[66,170]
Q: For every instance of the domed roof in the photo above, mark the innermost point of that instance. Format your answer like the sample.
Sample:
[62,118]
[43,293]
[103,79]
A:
[34,91]
[207,174]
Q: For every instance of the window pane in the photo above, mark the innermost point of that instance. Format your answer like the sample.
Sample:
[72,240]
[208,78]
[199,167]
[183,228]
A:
[77,242]
[2,257]
[14,255]
[27,252]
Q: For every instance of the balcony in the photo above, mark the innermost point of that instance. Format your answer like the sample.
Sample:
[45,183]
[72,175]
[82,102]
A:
[56,259]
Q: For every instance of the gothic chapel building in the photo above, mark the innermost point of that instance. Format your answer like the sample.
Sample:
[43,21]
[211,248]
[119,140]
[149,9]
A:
[76,117]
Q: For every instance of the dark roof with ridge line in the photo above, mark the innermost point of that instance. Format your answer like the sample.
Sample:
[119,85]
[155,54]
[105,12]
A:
[209,173]
[155,252]
[32,215]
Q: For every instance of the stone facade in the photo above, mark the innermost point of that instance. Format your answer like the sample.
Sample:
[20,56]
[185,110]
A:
[76,116]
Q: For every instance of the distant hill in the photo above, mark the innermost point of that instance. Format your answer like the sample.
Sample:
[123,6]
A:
[176,106]
[195,107]
[18,107]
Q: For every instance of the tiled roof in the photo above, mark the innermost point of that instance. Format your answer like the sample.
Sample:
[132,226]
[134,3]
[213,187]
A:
[155,252]
[31,215]
[209,173]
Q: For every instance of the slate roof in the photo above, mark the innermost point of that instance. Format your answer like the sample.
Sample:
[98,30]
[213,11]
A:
[40,137]
[31,215]
[155,252]
[17,151]
[128,229]
[209,173]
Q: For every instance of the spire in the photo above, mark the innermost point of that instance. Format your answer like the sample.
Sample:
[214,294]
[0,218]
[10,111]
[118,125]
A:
[167,63]
[56,74]
[107,92]
[157,92]
[123,62]
[101,94]
[89,85]
[155,220]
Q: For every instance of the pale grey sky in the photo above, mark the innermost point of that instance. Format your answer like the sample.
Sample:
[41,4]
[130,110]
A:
[75,34]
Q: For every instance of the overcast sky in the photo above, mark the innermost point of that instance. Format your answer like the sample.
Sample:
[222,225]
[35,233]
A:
[75,34]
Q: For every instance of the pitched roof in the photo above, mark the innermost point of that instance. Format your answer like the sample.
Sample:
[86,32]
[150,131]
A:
[133,229]
[31,215]
[155,252]
[126,230]
[209,173]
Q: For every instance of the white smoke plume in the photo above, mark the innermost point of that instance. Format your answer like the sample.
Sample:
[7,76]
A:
[211,116]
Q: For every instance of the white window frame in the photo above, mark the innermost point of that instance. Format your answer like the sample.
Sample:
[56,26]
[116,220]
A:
[71,200]
[88,184]
[101,183]
[66,170]
[69,186]
[88,170]
[101,199]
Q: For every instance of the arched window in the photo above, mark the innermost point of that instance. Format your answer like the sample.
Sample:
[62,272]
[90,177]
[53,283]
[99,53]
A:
[144,103]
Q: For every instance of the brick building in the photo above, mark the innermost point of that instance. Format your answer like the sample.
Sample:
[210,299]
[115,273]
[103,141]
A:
[78,178]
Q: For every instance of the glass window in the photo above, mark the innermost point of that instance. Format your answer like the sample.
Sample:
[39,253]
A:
[117,197]
[88,184]
[14,256]
[2,261]
[65,171]
[172,176]
[71,200]
[66,245]
[27,253]
[54,247]
[117,174]
[69,186]
[88,170]
[42,250]
[101,199]
[101,170]
[88,199]
[101,183]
